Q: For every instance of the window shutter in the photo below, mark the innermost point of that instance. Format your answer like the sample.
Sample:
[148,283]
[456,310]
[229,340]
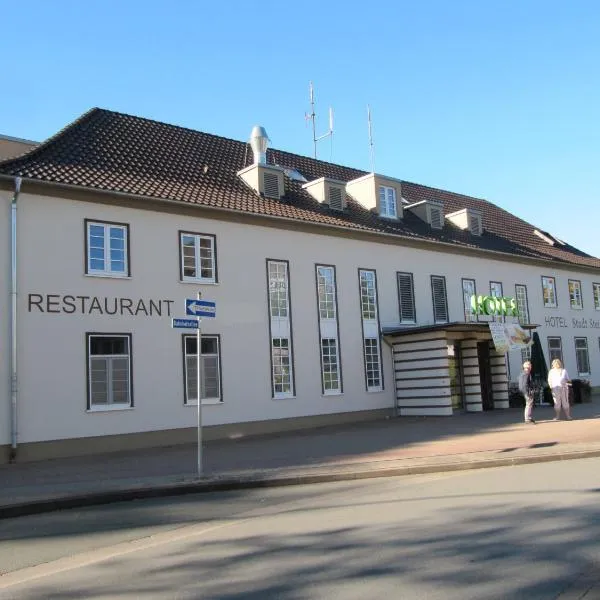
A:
[440,306]
[271,185]
[475,224]
[437,221]
[406,298]
[335,198]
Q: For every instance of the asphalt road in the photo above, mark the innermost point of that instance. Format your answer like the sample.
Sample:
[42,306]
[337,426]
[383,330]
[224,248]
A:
[517,532]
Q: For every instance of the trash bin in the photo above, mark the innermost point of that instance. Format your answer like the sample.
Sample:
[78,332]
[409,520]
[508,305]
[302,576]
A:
[581,391]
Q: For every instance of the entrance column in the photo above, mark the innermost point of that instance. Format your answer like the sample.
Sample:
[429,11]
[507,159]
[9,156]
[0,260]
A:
[499,378]
[470,369]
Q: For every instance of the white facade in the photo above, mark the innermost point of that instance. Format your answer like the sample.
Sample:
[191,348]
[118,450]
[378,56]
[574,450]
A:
[56,311]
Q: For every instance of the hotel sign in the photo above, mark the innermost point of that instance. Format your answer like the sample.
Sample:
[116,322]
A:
[494,306]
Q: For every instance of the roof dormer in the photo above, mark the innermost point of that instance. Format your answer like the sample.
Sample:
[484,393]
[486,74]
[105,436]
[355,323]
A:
[266,180]
[378,193]
[328,191]
[469,219]
[430,211]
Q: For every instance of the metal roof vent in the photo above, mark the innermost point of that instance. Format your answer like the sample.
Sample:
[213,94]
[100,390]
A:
[259,141]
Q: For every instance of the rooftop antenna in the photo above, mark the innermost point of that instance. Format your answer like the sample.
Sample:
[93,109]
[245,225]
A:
[371,147]
[312,117]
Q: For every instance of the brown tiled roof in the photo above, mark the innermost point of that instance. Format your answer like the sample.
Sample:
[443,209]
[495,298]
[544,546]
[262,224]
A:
[110,151]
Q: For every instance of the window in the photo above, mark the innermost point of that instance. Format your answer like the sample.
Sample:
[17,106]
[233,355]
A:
[549,292]
[596,289]
[330,362]
[326,288]
[278,289]
[368,295]
[280,327]
[211,369]
[372,364]
[198,255]
[109,371]
[107,249]
[440,301]
[370,330]
[387,202]
[555,349]
[575,294]
[328,330]
[522,303]
[582,356]
[496,292]
[468,289]
[406,297]
[281,367]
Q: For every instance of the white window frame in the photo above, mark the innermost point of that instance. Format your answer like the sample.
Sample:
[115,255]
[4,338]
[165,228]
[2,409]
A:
[328,329]
[584,349]
[388,206]
[596,294]
[467,294]
[522,303]
[107,250]
[280,328]
[496,291]
[190,370]
[201,263]
[109,361]
[370,329]
[575,295]
[549,283]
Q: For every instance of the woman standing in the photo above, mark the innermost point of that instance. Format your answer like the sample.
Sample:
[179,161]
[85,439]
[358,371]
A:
[558,380]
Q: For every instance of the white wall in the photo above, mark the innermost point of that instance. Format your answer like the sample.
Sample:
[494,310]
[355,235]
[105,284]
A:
[5,200]
[52,348]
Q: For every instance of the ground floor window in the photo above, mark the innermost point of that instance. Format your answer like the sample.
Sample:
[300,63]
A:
[210,389]
[372,364]
[282,367]
[555,349]
[330,362]
[109,371]
[582,356]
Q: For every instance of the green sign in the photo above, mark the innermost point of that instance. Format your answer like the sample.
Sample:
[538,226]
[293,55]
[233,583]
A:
[492,305]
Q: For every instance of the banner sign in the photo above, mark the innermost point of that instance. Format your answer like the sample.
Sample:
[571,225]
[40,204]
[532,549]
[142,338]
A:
[509,336]
[494,305]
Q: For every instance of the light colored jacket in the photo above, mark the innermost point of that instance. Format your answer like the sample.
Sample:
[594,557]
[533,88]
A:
[558,378]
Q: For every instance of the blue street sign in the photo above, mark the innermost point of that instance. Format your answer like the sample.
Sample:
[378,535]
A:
[200,308]
[185,323]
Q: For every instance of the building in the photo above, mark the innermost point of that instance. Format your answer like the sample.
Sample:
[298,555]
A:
[11,146]
[340,295]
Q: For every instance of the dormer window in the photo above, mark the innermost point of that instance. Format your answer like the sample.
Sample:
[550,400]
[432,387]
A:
[329,192]
[436,217]
[336,199]
[469,219]
[271,185]
[475,224]
[387,202]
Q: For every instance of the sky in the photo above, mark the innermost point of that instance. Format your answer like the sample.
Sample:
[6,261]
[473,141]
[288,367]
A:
[498,99]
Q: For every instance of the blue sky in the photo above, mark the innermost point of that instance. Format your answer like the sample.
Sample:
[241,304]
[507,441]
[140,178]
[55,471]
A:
[498,99]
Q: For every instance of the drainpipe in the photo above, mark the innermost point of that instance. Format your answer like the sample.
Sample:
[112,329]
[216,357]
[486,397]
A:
[13,323]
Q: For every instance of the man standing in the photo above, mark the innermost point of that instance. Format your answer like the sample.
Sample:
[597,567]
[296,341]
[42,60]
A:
[526,388]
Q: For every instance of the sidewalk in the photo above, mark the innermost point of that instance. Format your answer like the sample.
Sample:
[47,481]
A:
[402,446]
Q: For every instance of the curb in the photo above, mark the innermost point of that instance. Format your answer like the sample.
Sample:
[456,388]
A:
[267,481]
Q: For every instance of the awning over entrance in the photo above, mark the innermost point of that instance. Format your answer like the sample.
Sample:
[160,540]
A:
[456,327]
[443,367]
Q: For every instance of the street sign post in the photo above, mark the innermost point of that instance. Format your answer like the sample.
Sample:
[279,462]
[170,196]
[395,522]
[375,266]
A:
[199,308]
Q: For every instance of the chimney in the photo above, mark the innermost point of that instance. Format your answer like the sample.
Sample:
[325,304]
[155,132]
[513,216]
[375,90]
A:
[259,140]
